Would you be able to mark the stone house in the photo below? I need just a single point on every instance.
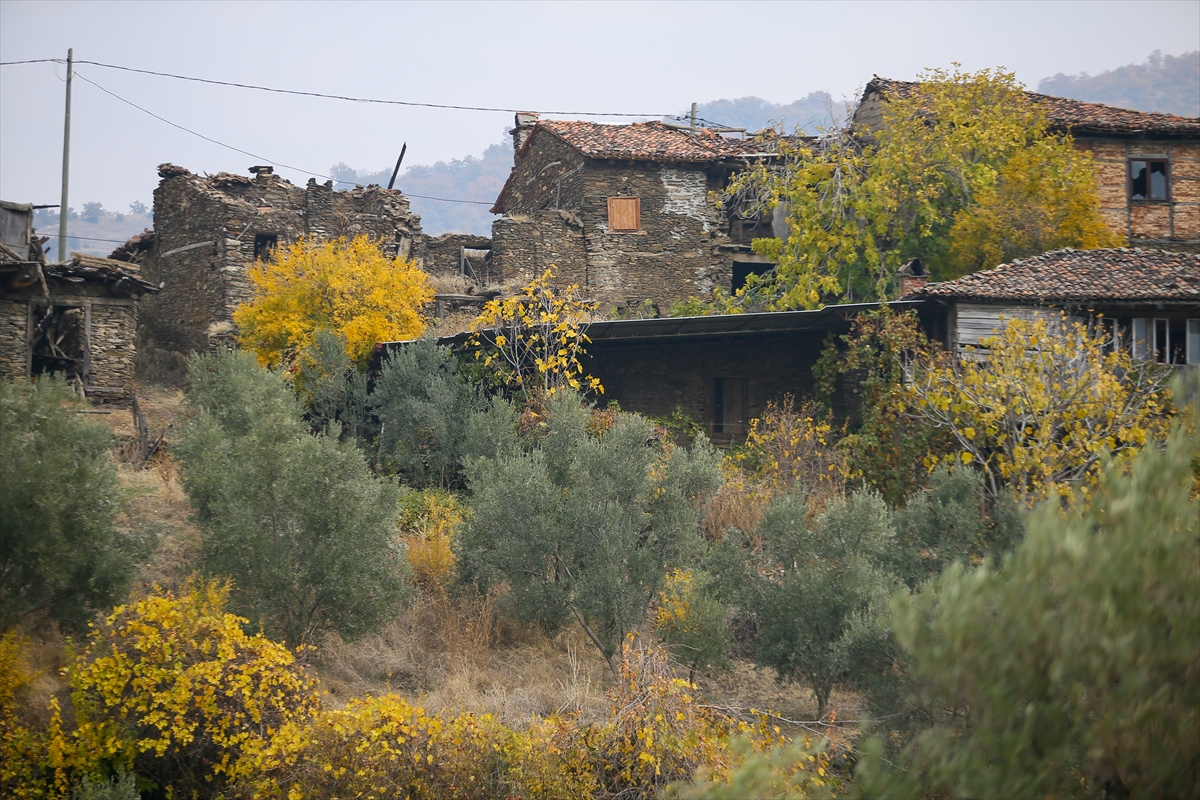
(1147, 164)
(627, 212)
(1146, 300)
(209, 229)
(78, 318)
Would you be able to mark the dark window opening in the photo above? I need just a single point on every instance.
(744, 230)
(1148, 180)
(264, 245)
(744, 269)
(725, 407)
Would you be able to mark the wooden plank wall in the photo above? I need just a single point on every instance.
(973, 322)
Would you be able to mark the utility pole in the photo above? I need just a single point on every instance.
(62, 208)
(693, 112)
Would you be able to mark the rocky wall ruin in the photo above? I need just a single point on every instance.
(210, 229)
(14, 321)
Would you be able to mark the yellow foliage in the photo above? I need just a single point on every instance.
(427, 522)
(1037, 407)
(177, 683)
(386, 747)
(1045, 197)
(534, 339)
(786, 447)
(21, 750)
(347, 287)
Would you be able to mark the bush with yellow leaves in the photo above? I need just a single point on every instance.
(660, 732)
(349, 288)
(21, 749)
(174, 687)
(427, 523)
(789, 447)
(534, 339)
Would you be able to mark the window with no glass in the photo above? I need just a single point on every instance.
(624, 214)
(725, 407)
(1149, 179)
(264, 245)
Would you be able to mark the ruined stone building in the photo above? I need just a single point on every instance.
(77, 318)
(1147, 164)
(209, 229)
(627, 212)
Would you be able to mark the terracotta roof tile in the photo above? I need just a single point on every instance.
(1076, 116)
(646, 141)
(1068, 275)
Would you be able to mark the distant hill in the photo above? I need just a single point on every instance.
(95, 231)
(753, 113)
(1170, 84)
(468, 178)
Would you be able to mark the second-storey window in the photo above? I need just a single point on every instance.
(1149, 179)
(624, 214)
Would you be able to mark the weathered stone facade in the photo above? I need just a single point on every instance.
(557, 207)
(209, 229)
(456, 254)
(78, 318)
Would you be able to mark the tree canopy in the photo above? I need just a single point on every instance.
(347, 287)
(963, 172)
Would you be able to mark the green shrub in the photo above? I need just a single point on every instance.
(61, 555)
(299, 522)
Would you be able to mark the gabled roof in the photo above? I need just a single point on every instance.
(1080, 276)
(1075, 116)
(645, 141)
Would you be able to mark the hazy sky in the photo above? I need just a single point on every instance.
(644, 58)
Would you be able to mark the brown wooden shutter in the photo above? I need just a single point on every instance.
(624, 214)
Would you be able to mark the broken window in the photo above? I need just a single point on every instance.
(1149, 179)
(1170, 341)
(60, 342)
(264, 245)
(725, 407)
(744, 269)
(624, 214)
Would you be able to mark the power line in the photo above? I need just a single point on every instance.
(339, 96)
(254, 155)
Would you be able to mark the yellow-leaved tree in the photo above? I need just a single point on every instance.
(535, 338)
(347, 287)
(963, 172)
(1038, 406)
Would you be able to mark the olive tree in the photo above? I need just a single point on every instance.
(61, 554)
(584, 524)
(298, 520)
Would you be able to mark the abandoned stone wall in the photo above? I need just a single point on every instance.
(13, 331)
(655, 379)
(525, 245)
(1173, 222)
(112, 348)
(209, 229)
(682, 248)
(440, 254)
(548, 176)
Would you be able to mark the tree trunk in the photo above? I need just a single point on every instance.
(599, 646)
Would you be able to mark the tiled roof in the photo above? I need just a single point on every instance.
(645, 141)
(1123, 275)
(1076, 116)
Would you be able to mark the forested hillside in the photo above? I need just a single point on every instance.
(815, 110)
(1170, 84)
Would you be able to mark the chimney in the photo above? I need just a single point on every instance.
(912, 276)
(261, 171)
(522, 127)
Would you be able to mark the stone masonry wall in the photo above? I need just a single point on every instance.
(655, 379)
(13, 320)
(682, 248)
(440, 254)
(524, 246)
(207, 231)
(549, 176)
(1174, 224)
(112, 340)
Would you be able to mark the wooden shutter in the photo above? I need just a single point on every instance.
(624, 214)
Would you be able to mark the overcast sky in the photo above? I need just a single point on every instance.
(641, 58)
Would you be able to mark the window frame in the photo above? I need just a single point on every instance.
(1148, 161)
(637, 202)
